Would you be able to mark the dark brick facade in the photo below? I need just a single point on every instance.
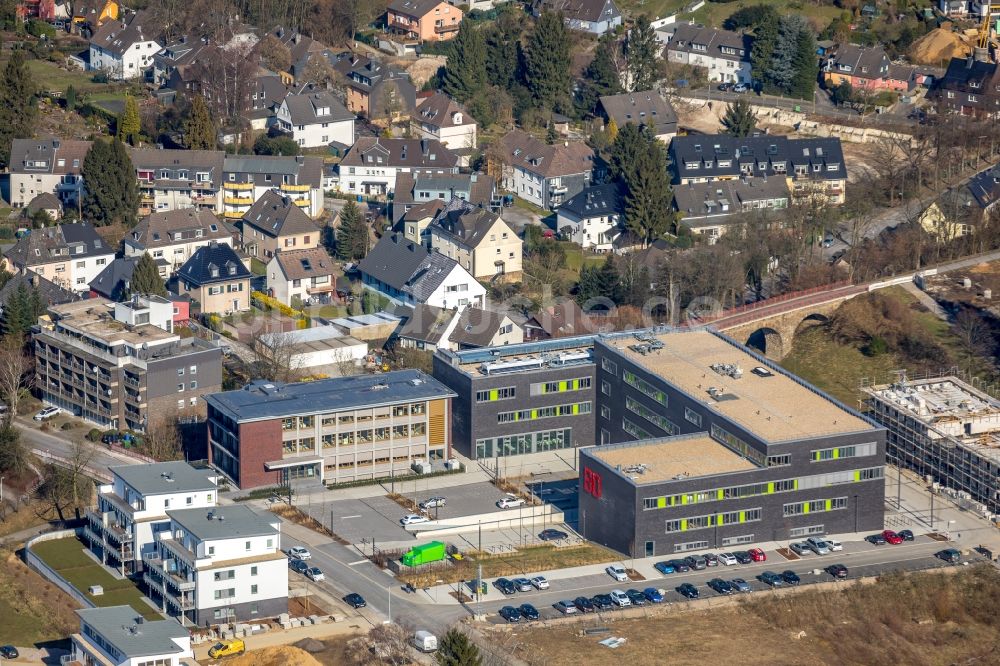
(260, 441)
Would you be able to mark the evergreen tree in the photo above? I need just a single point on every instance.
(199, 130)
(146, 278)
(642, 49)
(739, 120)
(17, 104)
(352, 236)
(127, 127)
(547, 62)
(782, 72)
(112, 194)
(70, 98)
(22, 310)
(762, 51)
(455, 649)
(601, 76)
(843, 93)
(586, 287)
(465, 75)
(806, 66)
(628, 143)
(503, 54)
(639, 161)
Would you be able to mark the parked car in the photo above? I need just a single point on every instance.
(601, 601)
(687, 590)
(740, 585)
(528, 612)
(566, 607)
(433, 502)
(299, 553)
(725, 87)
(511, 614)
(620, 599)
(552, 535)
(315, 574)
(664, 567)
(109, 438)
(905, 535)
(617, 572)
(743, 557)
(721, 586)
(818, 545)
(509, 501)
(505, 585)
(875, 539)
(413, 519)
(740, 88)
(892, 537)
(540, 583)
(227, 648)
(711, 559)
(949, 555)
(771, 578)
(584, 605)
(757, 555)
(523, 584)
(837, 570)
(355, 600)
(790, 577)
(680, 566)
(696, 562)
(46, 413)
(9, 652)
(636, 597)
(834, 545)
(653, 595)
(800, 548)
(298, 566)
(728, 559)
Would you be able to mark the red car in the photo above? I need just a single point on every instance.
(892, 537)
(757, 555)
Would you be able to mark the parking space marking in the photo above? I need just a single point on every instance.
(349, 517)
(351, 564)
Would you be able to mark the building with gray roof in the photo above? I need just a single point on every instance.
(248, 177)
(315, 118)
(70, 255)
(120, 636)
(643, 107)
(723, 54)
(713, 208)
(46, 165)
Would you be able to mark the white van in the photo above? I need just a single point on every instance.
(425, 641)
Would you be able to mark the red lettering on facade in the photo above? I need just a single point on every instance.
(591, 482)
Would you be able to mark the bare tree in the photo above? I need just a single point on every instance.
(274, 357)
(16, 375)
(975, 339)
(346, 365)
(162, 440)
(80, 456)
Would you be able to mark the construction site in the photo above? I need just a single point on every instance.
(945, 430)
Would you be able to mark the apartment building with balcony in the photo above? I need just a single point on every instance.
(119, 375)
(330, 431)
(275, 223)
(46, 165)
(120, 636)
(133, 508)
(218, 565)
(546, 175)
(249, 177)
(176, 179)
(171, 237)
(423, 20)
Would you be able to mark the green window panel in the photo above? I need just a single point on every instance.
(805, 507)
(743, 516)
(720, 493)
(494, 394)
(770, 488)
(661, 502)
(829, 505)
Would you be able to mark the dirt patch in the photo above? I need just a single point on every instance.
(299, 517)
(424, 68)
(305, 606)
(281, 655)
(402, 500)
(937, 46)
(937, 537)
(634, 575)
(788, 554)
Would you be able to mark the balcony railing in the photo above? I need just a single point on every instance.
(441, 29)
(239, 201)
(237, 187)
(289, 187)
(234, 214)
(302, 203)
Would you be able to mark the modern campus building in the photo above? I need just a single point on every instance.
(330, 431)
(705, 444)
(120, 636)
(133, 507)
(945, 430)
(218, 565)
(524, 398)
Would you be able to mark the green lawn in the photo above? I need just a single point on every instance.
(49, 76)
(67, 557)
(576, 258)
(714, 13)
(257, 267)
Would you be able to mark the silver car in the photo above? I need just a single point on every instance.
(800, 548)
(818, 546)
(433, 502)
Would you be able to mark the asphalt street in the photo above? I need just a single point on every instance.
(63, 448)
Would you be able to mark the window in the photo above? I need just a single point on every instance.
(712, 520)
(814, 506)
(779, 461)
(225, 594)
(571, 409)
(806, 531)
(635, 430)
(189, 501)
(166, 504)
(211, 551)
(228, 574)
(737, 445)
(737, 540)
(193, 370)
(253, 589)
(180, 372)
(180, 388)
(605, 388)
(605, 412)
(247, 545)
(270, 543)
(645, 412)
(253, 570)
(637, 382)
(609, 366)
(193, 385)
(692, 416)
(564, 386)
(690, 545)
(180, 404)
(856, 451)
(492, 395)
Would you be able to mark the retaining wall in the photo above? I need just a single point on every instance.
(41, 567)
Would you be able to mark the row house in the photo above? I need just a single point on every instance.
(70, 255)
(866, 68)
(420, 189)
(643, 107)
(430, 328)
(969, 87)
(171, 237)
(133, 507)
(124, 48)
(724, 54)
(275, 223)
(372, 164)
(40, 166)
(594, 16)
(249, 177)
(711, 209)
(423, 20)
(545, 175)
(176, 179)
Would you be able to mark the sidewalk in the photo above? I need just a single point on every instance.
(288, 636)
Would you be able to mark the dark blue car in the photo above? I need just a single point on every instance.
(664, 567)
(653, 595)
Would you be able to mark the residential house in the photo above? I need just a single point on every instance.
(479, 240)
(423, 20)
(545, 175)
(173, 236)
(216, 277)
(593, 218)
(49, 291)
(302, 49)
(47, 203)
(594, 16)
(409, 273)
(70, 255)
(249, 177)
(645, 107)
(124, 48)
(218, 565)
(711, 209)
(91, 362)
(969, 87)
(954, 8)
(433, 328)
(375, 90)
(864, 68)
(960, 210)
(170, 62)
(120, 636)
(724, 54)
(115, 281)
(441, 118)
(562, 320)
(372, 164)
(176, 179)
(267, 94)
(417, 218)
(315, 118)
(418, 189)
(38, 166)
(811, 166)
(89, 15)
(275, 223)
(133, 507)
(302, 276)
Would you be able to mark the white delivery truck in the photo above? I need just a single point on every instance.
(425, 641)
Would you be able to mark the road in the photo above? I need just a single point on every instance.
(46, 443)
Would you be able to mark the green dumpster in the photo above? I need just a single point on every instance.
(432, 551)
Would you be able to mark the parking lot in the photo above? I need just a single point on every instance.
(465, 500)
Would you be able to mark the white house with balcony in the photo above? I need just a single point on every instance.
(120, 636)
(134, 506)
(218, 565)
(124, 49)
(315, 119)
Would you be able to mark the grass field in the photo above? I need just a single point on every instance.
(67, 557)
(714, 13)
(49, 76)
(32, 610)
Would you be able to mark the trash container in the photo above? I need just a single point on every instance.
(798, 108)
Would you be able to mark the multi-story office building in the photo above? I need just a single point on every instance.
(946, 431)
(119, 375)
(133, 507)
(248, 177)
(331, 431)
(218, 565)
(120, 636)
(520, 399)
(731, 450)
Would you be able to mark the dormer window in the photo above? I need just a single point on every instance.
(232, 269)
(214, 271)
